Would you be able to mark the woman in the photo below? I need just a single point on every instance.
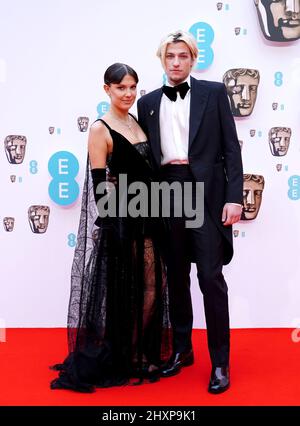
(118, 325)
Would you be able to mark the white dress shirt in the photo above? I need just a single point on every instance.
(174, 120)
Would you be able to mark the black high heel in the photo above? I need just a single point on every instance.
(145, 373)
(153, 375)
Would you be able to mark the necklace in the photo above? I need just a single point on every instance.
(128, 124)
(125, 123)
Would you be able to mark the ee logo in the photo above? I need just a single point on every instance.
(71, 240)
(204, 35)
(33, 167)
(63, 189)
(278, 78)
(102, 108)
(294, 187)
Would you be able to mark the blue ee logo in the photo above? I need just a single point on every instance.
(294, 187)
(204, 35)
(102, 108)
(278, 78)
(63, 166)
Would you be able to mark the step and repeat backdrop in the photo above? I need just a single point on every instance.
(52, 58)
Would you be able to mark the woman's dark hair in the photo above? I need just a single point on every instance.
(116, 72)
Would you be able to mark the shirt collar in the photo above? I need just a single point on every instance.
(188, 80)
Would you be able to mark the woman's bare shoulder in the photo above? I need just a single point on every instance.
(98, 133)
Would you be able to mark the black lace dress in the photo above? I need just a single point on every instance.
(118, 322)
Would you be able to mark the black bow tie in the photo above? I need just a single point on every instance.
(171, 92)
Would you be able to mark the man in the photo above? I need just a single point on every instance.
(193, 139)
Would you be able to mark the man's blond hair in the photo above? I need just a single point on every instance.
(176, 37)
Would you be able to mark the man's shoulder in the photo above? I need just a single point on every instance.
(148, 97)
(211, 85)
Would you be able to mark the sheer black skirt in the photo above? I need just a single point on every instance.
(118, 320)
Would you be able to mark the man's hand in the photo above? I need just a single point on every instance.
(231, 214)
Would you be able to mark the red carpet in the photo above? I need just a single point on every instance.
(265, 370)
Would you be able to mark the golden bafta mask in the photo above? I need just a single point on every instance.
(9, 223)
(279, 140)
(279, 19)
(38, 217)
(15, 146)
(252, 195)
(241, 84)
(83, 123)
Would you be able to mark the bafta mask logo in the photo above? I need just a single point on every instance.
(241, 84)
(51, 130)
(274, 106)
(9, 223)
(15, 148)
(279, 19)
(252, 195)
(252, 133)
(83, 123)
(38, 217)
(279, 140)
(236, 233)
(278, 167)
(142, 92)
(219, 5)
(237, 30)
(13, 178)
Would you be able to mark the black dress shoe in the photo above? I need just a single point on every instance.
(176, 362)
(219, 380)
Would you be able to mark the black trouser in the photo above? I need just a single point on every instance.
(205, 245)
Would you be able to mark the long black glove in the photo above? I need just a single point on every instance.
(98, 176)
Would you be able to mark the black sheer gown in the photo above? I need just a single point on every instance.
(118, 322)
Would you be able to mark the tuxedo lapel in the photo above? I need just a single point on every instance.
(199, 97)
(153, 125)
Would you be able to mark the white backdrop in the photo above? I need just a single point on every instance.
(52, 58)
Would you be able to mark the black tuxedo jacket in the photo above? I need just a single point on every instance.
(214, 150)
